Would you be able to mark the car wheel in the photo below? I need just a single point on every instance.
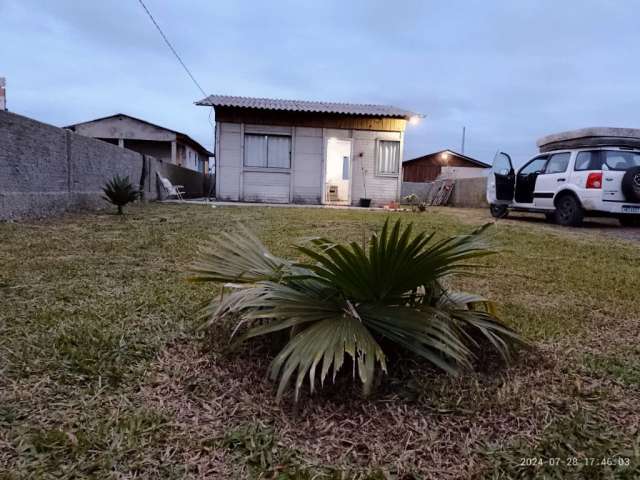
(629, 220)
(498, 211)
(631, 184)
(569, 212)
(551, 217)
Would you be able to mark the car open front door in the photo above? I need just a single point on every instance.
(502, 180)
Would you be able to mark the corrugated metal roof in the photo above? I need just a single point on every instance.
(305, 106)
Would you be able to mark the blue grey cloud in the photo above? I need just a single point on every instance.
(508, 71)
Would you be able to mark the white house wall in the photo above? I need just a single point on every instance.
(381, 189)
(229, 162)
(261, 186)
(307, 163)
(462, 172)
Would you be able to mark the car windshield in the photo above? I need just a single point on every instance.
(620, 160)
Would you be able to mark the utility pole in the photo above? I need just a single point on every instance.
(464, 131)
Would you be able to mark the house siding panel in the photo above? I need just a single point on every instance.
(266, 187)
(274, 129)
(230, 162)
(307, 187)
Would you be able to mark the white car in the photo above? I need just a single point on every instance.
(593, 172)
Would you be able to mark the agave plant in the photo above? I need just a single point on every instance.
(347, 298)
(119, 191)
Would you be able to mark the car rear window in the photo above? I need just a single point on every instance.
(588, 161)
(607, 160)
(621, 160)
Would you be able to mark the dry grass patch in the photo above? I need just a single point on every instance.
(419, 425)
(103, 373)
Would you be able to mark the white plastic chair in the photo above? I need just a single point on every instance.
(171, 189)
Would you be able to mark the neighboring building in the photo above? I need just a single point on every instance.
(287, 151)
(147, 138)
(442, 165)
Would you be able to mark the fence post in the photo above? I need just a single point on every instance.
(143, 175)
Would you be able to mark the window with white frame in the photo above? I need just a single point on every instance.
(267, 151)
(388, 158)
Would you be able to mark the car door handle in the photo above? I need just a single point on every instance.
(561, 180)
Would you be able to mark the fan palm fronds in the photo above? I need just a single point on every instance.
(119, 191)
(347, 298)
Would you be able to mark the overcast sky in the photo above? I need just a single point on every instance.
(509, 71)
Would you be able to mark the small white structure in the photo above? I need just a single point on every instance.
(289, 151)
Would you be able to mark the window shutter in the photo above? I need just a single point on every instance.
(279, 152)
(255, 150)
(388, 157)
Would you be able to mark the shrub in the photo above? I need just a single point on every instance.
(411, 199)
(119, 191)
(349, 298)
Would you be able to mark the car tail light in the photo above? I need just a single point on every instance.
(594, 180)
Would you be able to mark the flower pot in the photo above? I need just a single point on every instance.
(365, 202)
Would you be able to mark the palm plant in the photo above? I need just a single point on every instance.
(119, 191)
(349, 298)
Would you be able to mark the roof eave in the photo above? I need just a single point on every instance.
(402, 114)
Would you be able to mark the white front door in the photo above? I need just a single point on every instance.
(337, 175)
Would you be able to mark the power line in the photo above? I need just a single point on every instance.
(166, 40)
(186, 69)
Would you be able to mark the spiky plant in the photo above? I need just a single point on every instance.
(348, 298)
(119, 191)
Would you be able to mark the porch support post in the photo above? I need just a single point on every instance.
(174, 152)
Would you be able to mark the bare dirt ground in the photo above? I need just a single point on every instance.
(606, 227)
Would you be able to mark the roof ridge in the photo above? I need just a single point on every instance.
(316, 106)
(300, 100)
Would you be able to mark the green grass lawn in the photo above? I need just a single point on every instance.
(104, 373)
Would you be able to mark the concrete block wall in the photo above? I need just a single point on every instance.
(194, 183)
(467, 192)
(45, 170)
(470, 192)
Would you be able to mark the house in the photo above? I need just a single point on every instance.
(289, 151)
(443, 164)
(147, 138)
